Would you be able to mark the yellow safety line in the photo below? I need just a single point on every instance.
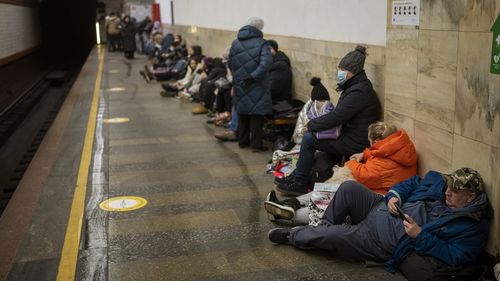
(69, 255)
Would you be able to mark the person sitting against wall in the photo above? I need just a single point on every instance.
(430, 228)
(171, 89)
(357, 108)
(280, 74)
(206, 94)
(390, 159)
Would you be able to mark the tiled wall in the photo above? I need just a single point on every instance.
(433, 81)
(439, 88)
(19, 29)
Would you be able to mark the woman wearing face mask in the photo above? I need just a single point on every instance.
(357, 108)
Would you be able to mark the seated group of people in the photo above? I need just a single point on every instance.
(430, 228)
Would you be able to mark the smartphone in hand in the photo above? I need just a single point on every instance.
(401, 214)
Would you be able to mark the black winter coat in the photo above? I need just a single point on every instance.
(250, 59)
(128, 34)
(357, 108)
(280, 75)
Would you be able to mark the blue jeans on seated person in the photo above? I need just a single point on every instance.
(234, 120)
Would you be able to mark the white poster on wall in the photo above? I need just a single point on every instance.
(165, 11)
(406, 12)
(140, 12)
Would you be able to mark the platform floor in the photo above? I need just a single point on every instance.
(204, 219)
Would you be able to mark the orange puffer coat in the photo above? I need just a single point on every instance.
(386, 163)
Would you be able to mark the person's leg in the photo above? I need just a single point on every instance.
(234, 120)
(351, 199)
(306, 160)
(243, 130)
(416, 267)
(256, 133)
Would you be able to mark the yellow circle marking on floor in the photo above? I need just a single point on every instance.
(114, 71)
(123, 203)
(116, 89)
(116, 120)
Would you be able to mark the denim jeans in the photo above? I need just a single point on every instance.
(234, 120)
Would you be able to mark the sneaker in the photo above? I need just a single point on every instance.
(185, 97)
(226, 136)
(210, 120)
(279, 235)
(145, 75)
(292, 188)
(199, 109)
(168, 94)
(279, 211)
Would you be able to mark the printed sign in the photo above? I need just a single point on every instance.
(495, 49)
(406, 12)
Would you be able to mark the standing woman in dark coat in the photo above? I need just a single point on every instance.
(249, 61)
(128, 35)
(357, 108)
(280, 74)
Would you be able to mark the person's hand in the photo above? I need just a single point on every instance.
(357, 156)
(411, 227)
(247, 82)
(390, 205)
(304, 128)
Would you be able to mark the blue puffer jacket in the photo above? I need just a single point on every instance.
(250, 57)
(456, 238)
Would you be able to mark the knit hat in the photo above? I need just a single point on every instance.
(256, 22)
(354, 61)
(318, 92)
(465, 178)
(273, 44)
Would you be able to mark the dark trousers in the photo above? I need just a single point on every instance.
(310, 144)
(422, 268)
(223, 101)
(250, 130)
(355, 240)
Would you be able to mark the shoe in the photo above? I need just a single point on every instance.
(199, 109)
(168, 87)
(211, 120)
(292, 188)
(168, 94)
(185, 97)
(279, 235)
(271, 196)
(144, 75)
(279, 211)
(226, 136)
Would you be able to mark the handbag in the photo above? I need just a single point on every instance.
(222, 83)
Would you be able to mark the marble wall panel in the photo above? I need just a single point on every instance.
(434, 148)
(479, 15)
(401, 71)
(401, 121)
(486, 160)
(477, 105)
(436, 78)
(441, 14)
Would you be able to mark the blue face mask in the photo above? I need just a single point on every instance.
(341, 76)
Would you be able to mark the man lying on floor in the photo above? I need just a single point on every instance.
(444, 227)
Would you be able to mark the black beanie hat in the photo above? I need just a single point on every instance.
(273, 44)
(318, 92)
(354, 61)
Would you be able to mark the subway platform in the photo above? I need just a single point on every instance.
(199, 213)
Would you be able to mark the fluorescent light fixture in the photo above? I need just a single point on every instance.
(97, 33)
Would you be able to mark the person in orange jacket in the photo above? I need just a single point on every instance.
(390, 159)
